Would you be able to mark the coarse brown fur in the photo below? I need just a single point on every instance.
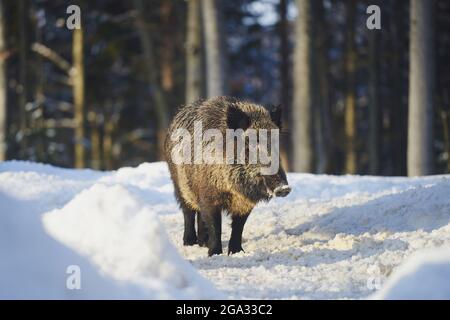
(208, 189)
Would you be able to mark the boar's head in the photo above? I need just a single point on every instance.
(253, 179)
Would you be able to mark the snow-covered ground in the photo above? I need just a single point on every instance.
(332, 237)
(423, 276)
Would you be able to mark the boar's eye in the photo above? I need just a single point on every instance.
(275, 115)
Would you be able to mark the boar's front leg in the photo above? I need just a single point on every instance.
(237, 227)
(212, 218)
(189, 237)
(202, 231)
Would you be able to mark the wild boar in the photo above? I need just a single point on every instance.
(206, 188)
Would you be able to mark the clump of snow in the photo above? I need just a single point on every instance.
(426, 275)
(103, 223)
(333, 237)
(124, 238)
(34, 266)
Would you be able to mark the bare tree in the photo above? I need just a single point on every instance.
(108, 143)
(75, 79)
(350, 95)
(23, 57)
(78, 95)
(374, 108)
(214, 51)
(421, 78)
(285, 96)
(3, 84)
(395, 130)
(283, 32)
(95, 125)
(167, 46)
(160, 103)
(446, 135)
(303, 96)
(193, 52)
(322, 112)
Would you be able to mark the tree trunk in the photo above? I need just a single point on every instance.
(95, 140)
(284, 63)
(397, 131)
(23, 58)
(303, 96)
(39, 141)
(322, 103)
(215, 71)
(108, 143)
(160, 103)
(374, 107)
(193, 53)
(168, 46)
(421, 77)
(3, 84)
(350, 96)
(446, 135)
(78, 95)
(285, 97)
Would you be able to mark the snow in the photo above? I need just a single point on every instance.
(424, 276)
(333, 237)
(52, 219)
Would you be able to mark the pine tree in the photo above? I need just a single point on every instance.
(302, 108)
(421, 78)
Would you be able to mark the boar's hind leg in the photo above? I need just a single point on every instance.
(213, 220)
(189, 237)
(237, 226)
(202, 232)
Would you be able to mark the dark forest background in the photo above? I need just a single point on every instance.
(102, 96)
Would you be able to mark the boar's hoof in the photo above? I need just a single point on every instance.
(202, 239)
(215, 250)
(235, 249)
(202, 243)
(190, 241)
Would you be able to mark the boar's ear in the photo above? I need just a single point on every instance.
(275, 115)
(237, 119)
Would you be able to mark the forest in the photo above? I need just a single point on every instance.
(355, 99)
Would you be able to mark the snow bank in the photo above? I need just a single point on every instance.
(124, 238)
(421, 207)
(104, 223)
(34, 266)
(426, 275)
(333, 237)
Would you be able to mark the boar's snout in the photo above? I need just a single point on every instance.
(282, 191)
